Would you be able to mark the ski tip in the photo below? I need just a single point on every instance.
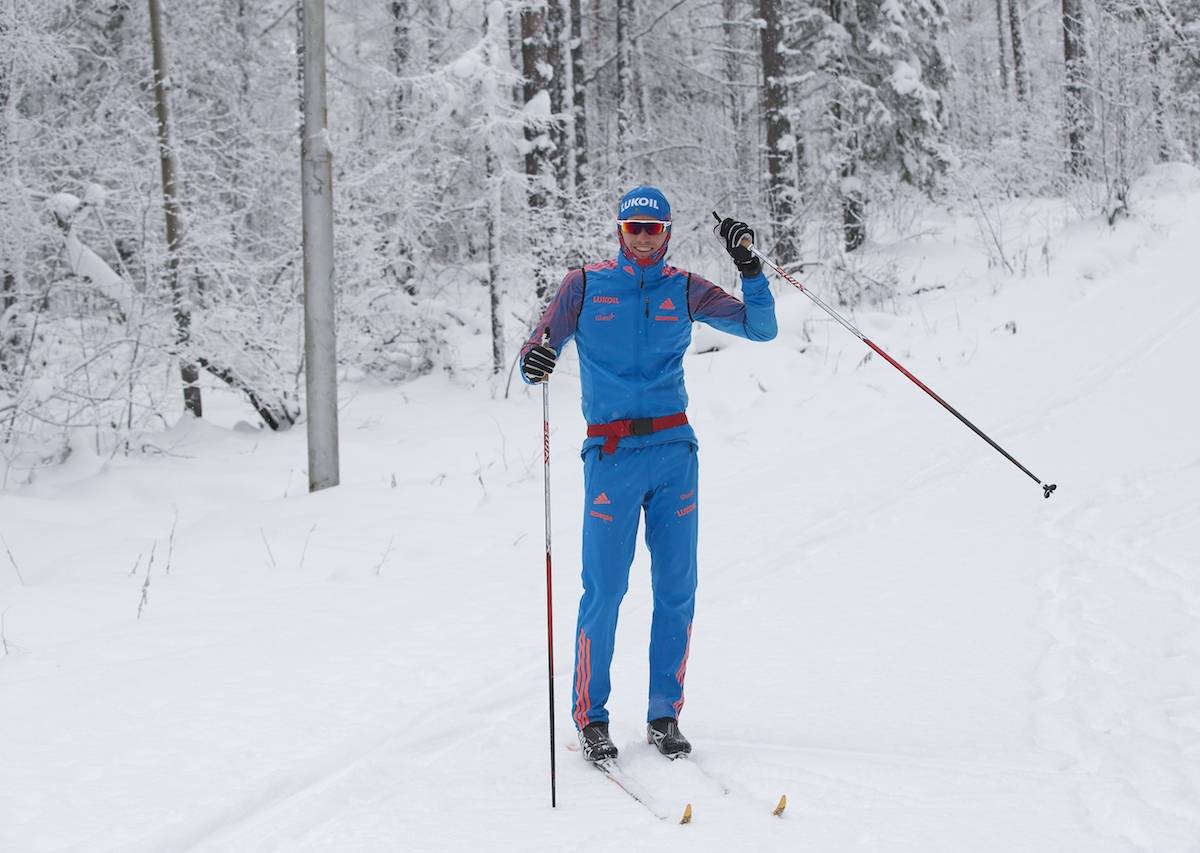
(781, 806)
(687, 814)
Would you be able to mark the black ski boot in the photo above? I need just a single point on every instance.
(595, 743)
(665, 735)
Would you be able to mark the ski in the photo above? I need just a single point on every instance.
(637, 791)
(726, 788)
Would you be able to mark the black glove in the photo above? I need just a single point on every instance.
(733, 232)
(538, 363)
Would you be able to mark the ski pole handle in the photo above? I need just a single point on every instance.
(746, 241)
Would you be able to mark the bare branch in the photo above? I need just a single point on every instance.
(12, 560)
(263, 533)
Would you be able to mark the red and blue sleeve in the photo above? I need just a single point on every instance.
(751, 317)
(561, 316)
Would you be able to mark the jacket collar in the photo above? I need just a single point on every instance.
(652, 270)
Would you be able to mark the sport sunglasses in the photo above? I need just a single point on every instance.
(642, 226)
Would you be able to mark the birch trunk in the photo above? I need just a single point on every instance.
(316, 194)
(173, 213)
(492, 23)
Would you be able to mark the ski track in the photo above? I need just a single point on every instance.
(1104, 714)
(1112, 761)
(1119, 694)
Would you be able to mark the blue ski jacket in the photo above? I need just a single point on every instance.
(632, 324)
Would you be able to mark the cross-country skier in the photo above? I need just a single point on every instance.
(631, 318)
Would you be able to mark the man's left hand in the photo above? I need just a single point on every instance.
(733, 232)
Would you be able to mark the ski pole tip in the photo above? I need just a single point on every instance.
(1049, 488)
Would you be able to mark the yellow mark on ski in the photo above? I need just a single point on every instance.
(782, 805)
(687, 814)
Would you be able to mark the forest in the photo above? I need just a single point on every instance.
(478, 150)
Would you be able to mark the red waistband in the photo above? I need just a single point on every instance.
(617, 430)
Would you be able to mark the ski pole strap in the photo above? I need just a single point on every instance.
(616, 430)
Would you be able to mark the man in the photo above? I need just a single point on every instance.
(631, 319)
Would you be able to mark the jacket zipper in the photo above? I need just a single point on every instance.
(642, 328)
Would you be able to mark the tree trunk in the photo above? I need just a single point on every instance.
(854, 224)
(535, 67)
(401, 48)
(535, 44)
(781, 145)
(845, 131)
(316, 196)
(300, 59)
(1076, 116)
(640, 96)
(1158, 99)
(494, 189)
(8, 261)
(396, 248)
(557, 60)
(516, 45)
(735, 102)
(1016, 20)
(240, 147)
(276, 413)
(579, 100)
(173, 213)
(626, 108)
(1002, 43)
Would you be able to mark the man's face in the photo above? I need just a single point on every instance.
(643, 245)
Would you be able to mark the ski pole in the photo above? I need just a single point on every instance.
(549, 586)
(1047, 488)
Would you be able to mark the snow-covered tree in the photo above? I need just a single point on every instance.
(887, 72)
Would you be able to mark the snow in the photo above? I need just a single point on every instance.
(906, 78)
(893, 626)
(63, 205)
(41, 388)
(80, 258)
(538, 106)
(468, 66)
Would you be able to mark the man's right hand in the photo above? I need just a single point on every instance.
(538, 363)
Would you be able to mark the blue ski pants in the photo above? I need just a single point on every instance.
(660, 480)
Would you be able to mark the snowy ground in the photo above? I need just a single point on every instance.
(894, 628)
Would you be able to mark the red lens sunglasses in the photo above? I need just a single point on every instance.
(642, 226)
